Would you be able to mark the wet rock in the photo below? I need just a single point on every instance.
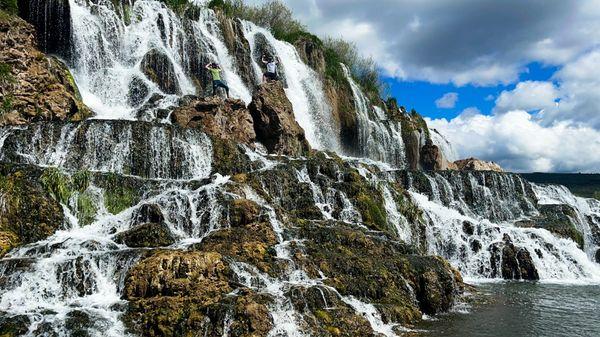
(515, 263)
(474, 164)
(149, 213)
(475, 246)
(468, 228)
(432, 158)
(13, 326)
(557, 219)
(225, 119)
(19, 222)
(243, 212)
(311, 52)
(238, 46)
(52, 21)
(381, 271)
(78, 322)
(274, 122)
(597, 255)
(159, 69)
(33, 87)
(138, 91)
(147, 235)
(172, 293)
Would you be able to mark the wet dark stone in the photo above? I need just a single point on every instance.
(77, 323)
(475, 246)
(161, 71)
(597, 256)
(149, 213)
(52, 21)
(138, 90)
(468, 228)
(147, 235)
(13, 325)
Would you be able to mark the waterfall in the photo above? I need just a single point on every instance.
(114, 44)
(467, 221)
(444, 145)
(587, 211)
(378, 137)
(303, 87)
(129, 148)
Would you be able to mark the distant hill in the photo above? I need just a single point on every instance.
(584, 185)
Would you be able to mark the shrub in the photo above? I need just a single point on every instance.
(9, 6)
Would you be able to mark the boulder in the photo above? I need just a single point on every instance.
(474, 164)
(224, 119)
(597, 255)
(159, 69)
(274, 122)
(33, 87)
(148, 213)
(515, 263)
(149, 235)
(432, 157)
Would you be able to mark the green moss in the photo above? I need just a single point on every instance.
(7, 104)
(373, 213)
(57, 184)
(86, 209)
(117, 196)
(81, 180)
(323, 316)
(9, 6)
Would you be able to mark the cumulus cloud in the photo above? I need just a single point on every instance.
(529, 96)
(481, 42)
(520, 143)
(448, 101)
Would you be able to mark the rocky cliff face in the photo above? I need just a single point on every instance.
(33, 86)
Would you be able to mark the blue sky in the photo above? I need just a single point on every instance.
(527, 71)
(421, 95)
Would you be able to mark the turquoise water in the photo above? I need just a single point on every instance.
(525, 309)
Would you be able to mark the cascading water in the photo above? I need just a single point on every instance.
(304, 88)
(468, 222)
(379, 138)
(121, 48)
(444, 145)
(129, 148)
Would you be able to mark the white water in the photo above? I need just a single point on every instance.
(448, 150)
(587, 210)
(109, 52)
(556, 259)
(304, 89)
(124, 148)
(379, 138)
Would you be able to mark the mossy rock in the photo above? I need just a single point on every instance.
(29, 211)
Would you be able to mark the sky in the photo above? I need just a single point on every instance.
(513, 81)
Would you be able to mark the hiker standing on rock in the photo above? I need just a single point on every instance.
(271, 74)
(215, 72)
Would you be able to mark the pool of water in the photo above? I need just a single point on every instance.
(524, 309)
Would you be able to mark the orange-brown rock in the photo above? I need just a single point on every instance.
(274, 122)
(474, 164)
(33, 87)
(225, 119)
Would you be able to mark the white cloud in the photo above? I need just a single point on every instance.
(520, 143)
(529, 96)
(448, 101)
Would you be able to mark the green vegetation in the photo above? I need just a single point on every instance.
(6, 73)
(117, 196)
(9, 6)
